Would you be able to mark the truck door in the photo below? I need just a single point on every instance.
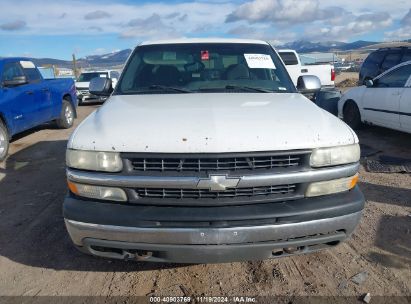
(381, 102)
(405, 108)
(19, 100)
(41, 93)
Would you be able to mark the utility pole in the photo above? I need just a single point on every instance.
(75, 66)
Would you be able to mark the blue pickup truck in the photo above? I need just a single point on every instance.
(27, 100)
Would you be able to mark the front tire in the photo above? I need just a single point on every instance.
(4, 141)
(66, 119)
(352, 115)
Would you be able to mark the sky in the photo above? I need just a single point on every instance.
(57, 29)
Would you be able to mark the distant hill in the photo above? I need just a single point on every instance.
(110, 59)
(388, 44)
(356, 45)
(102, 61)
(51, 61)
(117, 59)
(304, 46)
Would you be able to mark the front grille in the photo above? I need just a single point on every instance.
(198, 164)
(207, 194)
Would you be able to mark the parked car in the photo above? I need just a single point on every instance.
(27, 100)
(381, 60)
(206, 152)
(83, 82)
(343, 66)
(384, 101)
(291, 59)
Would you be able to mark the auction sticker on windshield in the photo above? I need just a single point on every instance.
(259, 61)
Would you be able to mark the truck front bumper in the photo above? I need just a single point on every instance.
(294, 227)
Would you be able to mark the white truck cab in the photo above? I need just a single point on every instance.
(292, 61)
(83, 82)
(206, 152)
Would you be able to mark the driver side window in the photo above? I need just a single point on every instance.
(11, 70)
(395, 79)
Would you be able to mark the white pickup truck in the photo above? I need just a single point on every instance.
(291, 59)
(83, 82)
(206, 152)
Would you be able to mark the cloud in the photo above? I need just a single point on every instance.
(172, 15)
(13, 25)
(152, 21)
(262, 32)
(183, 18)
(399, 34)
(278, 11)
(325, 22)
(99, 51)
(402, 33)
(359, 25)
(406, 21)
(95, 28)
(97, 15)
(152, 27)
(273, 20)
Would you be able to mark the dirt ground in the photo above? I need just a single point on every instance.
(346, 80)
(37, 258)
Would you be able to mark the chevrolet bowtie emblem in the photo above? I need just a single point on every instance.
(218, 182)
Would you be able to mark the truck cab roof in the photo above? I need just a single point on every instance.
(204, 40)
(9, 59)
(6, 60)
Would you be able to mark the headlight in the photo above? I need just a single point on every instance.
(98, 192)
(95, 161)
(332, 186)
(333, 156)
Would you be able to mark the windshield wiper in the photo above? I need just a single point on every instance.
(167, 88)
(248, 89)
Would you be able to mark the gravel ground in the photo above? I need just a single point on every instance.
(37, 258)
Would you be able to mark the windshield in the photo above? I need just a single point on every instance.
(204, 67)
(86, 77)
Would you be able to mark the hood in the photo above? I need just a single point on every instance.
(82, 84)
(209, 123)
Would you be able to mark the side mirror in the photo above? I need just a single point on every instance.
(16, 81)
(308, 84)
(369, 83)
(101, 86)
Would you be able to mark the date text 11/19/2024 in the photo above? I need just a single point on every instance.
(203, 299)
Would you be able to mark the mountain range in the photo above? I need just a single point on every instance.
(117, 59)
(303, 46)
(113, 59)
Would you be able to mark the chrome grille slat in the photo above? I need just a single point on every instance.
(175, 164)
(203, 193)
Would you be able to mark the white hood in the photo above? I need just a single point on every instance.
(209, 123)
(82, 84)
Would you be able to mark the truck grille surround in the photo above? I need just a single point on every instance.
(202, 166)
